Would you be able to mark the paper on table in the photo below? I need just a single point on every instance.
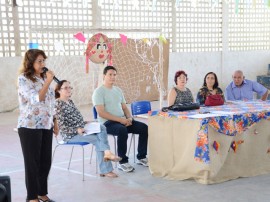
(201, 116)
(222, 112)
(93, 127)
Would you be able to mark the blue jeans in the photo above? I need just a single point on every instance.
(100, 140)
(117, 129)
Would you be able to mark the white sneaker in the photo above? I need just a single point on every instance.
(143, 162)
(126, 167)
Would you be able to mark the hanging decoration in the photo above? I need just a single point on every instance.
(216, 145)
(234, 146)
(123, 39)
(98, 50)
(59, 46)
(177, 4)
(80, 37)
(146, 41)
(236, 6)
(154, 5)
(163, 39)
(240, 142)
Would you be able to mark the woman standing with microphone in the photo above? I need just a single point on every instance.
(36, 123)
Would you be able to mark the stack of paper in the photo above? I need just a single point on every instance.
(93, 127)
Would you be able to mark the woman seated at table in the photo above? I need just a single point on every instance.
(180, 93)
(210, 87)
(71, 125)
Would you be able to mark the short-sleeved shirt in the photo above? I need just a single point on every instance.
(34, 114)
(183, 96)
(245, 91)
(112, 100)
(204, 92)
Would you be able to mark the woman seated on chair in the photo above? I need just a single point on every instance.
(71, 125)
(210, 87)
(180, 93)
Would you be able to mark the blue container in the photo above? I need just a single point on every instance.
(33, 45)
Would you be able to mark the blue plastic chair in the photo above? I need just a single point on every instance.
(138, 108)
(74, 144)
(114, 137)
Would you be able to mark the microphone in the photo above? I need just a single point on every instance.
(45, 69)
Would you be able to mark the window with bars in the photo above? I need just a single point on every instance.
(144, 16)
(198, 28)
(249, 26)
(54, 22)
(189, 27)
(45, 22)
(7, 44)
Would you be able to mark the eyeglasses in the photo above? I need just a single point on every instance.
(40, 61)
(67, 87)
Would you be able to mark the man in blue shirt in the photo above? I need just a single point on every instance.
(242, 89)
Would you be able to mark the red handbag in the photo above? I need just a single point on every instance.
(214, 100)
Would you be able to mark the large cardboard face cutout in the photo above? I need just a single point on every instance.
(99, 52)
(98, 48)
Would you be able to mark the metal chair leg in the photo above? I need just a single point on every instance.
(83, 162)
(70, 157)
(91, 154)
(132, 139)
(96, 165)
(54, 152)
(134, 149)
(115, 148)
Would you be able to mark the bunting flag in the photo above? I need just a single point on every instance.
(234, 146)
(216, 145)
(59, 46)
(177, 4)
(80, 37)
(147, 41)
(123, 39)
(163, 39)
(236, 6)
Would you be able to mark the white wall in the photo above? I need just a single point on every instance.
(196, 65)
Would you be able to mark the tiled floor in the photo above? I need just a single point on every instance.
(67, 186)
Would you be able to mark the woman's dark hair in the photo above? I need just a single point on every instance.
(108, 68)
(177, 74)
(28, 63)
(216, 80)
(58, 87)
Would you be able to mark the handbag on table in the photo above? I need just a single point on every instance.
(214, 100)
(182, 107)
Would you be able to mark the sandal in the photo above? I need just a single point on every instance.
(45, 200)
(112, 157)
(110, 174)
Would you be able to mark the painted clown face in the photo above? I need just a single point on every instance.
(98, 48)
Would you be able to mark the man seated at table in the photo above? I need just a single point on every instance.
(242, 89)
(114, 114)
